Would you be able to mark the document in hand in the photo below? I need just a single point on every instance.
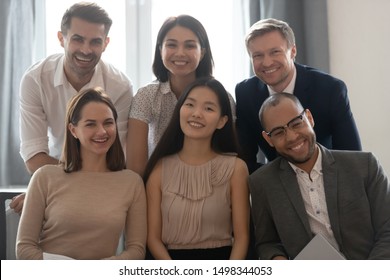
(49, 256)
(319, 248)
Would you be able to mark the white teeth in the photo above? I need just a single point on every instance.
(297, 147)
(83, 59)
(270, 71)
(195, 124)
(180, 63)
(100, 140)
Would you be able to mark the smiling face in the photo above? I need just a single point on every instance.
(96, 130)
(272, 60)
(200, 114)
(298, 145)
(181, 52)
(83, 44)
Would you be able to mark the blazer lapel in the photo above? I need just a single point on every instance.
(329, 171)
(302, 85)
(291, 187)
(261, 94)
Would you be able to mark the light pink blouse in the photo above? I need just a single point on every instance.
(196, 204)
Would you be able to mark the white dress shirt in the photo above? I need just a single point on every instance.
(290, 87)
(44, 94)
(313, 194)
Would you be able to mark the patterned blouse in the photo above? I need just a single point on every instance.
(154, 105)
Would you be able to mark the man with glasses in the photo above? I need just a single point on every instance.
(310, 190)
(271, 46)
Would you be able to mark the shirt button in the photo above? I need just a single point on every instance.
(318, 212)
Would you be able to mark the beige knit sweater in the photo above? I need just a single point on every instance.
(82, 215)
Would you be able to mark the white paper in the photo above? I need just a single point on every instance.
(49, 256)
(319, 248)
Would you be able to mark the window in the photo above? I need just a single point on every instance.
(136, 24)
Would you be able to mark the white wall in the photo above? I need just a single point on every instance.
(359, 32)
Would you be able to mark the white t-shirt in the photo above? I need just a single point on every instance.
(44, 94)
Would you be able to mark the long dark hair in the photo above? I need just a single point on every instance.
(71, 156)
(205, 67)
(224, 140)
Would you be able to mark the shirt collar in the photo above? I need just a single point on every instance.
(60, 77)
(165, 87)
(290, 87)
(59, 74)
(317, 168)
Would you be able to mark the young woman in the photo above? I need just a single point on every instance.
(80, 208)
(182, 54)
(196, 185)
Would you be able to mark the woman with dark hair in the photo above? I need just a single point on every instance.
(79, 208)
(182, 54)
(196, 185)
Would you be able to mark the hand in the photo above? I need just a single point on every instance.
(17, 203)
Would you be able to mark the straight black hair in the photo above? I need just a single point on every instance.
(224, 140)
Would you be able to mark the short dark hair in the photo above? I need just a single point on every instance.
(205, 67)
(273, 100)
(90, 12)
(71, 156)
(224, 140)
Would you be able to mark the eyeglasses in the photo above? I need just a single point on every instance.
(295, 124)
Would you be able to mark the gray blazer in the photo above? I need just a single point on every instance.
(358, 199)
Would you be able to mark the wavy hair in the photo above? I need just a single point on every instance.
(265, 26)
(90, 12)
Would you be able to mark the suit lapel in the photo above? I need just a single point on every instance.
(302, 85)
(291, 187)
(261, 95)
(329, 171)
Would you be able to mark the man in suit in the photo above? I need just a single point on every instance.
(309, 190)
(271, 47)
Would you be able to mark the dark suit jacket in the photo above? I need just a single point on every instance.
(326, 98)
(358, 199)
